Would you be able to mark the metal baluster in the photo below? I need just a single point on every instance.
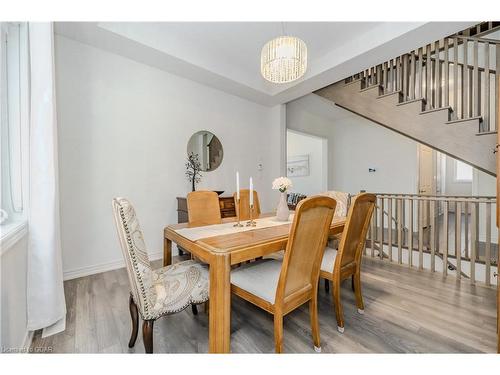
(445, 232)
(487, 252)
(476, 104)
(458, 238)
(420, 74)
(437, 83)
(386, 88)
(465, 82)
(398, 74)
(446, 74)
(404, 76)
(433, 234)
(389, 227)
(420, 215)
(428, 75)
(410, 240)
(412, 75)
(400, 229)
(473, 243)
(381, 228)
(455, 79)
(486, 94)
(466, 229)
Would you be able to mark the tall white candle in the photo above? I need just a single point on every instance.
(237, 185)
(251, 191)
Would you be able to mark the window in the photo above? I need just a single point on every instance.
(463, 172)
(14, 109)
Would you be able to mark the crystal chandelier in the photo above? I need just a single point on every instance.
(283, 59)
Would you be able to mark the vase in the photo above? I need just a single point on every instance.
(282, 212)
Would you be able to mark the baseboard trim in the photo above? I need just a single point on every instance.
(99, 268)
(28, 339)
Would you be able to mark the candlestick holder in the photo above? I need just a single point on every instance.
(251, 222)
(238, 224)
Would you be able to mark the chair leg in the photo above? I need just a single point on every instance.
(356, 278)
(278, 333)
(327, 285)
(338, 306)
(194, 309)
(313, 311)
(135, 321)
(147, 335)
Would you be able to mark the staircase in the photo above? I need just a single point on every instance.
(444, 95)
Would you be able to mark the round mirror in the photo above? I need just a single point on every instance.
(207, 147)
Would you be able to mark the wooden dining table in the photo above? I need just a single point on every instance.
(220, 253)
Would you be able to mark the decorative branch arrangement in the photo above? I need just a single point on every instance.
(193, 169)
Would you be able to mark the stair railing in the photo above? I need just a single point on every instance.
(456, 230)
(460, 73)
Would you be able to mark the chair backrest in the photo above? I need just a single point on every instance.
(343, 201)
(134, 252)
(244, 208)
(307, 240)
(354, 235)
(203, 208)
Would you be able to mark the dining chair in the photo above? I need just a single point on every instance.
(338, 265)
(203, 208)
(159, 292)
(244, 207)
(281, 287)
(343, 201)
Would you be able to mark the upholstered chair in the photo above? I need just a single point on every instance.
(338, 265)
(244, 207)
(281, 287)
(159, 292)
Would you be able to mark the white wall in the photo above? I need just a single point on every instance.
(354, 145)
(299, 144)
(123, 131)
(453, 187)
(13, 264)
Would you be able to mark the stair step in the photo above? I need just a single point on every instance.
(389, 94)
(412, 101)
(435, 110)
(353, 82)
(464, 119)
(370, 88)
(487, 133)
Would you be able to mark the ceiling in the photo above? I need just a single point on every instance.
(226, 55)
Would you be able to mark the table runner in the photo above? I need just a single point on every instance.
(195, 233)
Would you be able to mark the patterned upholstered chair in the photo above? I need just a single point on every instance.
(338, 265)
(154, 293)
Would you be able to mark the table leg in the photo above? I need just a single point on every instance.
(167, 252)
(220, 304)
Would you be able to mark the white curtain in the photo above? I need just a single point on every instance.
(46, 303)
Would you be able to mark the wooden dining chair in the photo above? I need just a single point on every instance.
(203, 208)
(346, 262)
(281, 287)
(244, 209)
(343, 202)
(154, 293)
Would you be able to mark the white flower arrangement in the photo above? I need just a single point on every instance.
(282, 184)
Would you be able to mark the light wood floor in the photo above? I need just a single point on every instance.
(406, 310)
